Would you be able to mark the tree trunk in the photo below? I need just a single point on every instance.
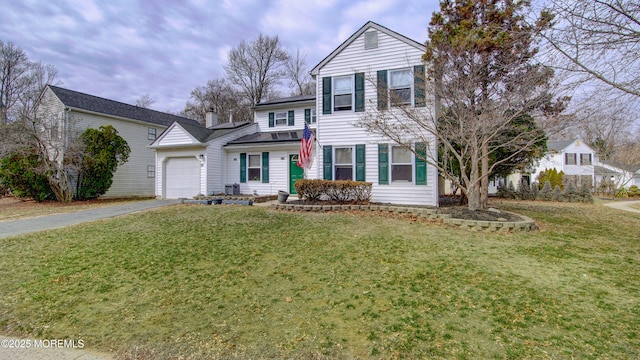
(484, 171)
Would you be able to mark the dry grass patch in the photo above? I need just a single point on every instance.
(13, 209)
(242, 282)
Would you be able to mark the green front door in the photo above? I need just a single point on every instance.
(295, 172)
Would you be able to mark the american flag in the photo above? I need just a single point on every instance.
(306, 147)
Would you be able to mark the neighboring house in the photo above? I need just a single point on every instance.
(619, 176)
(261, 157)
(66, 114)
(573, 157)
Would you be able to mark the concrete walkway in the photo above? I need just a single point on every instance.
(30, 225)
(624, 205)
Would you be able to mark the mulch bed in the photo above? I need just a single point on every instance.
(448, 205)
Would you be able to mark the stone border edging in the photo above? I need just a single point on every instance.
(474, 225)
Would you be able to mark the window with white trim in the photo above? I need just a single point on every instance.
(313, 116)
(151, 171)
(343, 165)
(281, 118)
(401, 164)
(151, 134)
(585, 159)
(570, 159)
(253, 167)
(343, 93)
(400, 82)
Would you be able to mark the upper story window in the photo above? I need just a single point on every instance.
(570, 159)
(342, 93)
(400, 86)
(281, 118)
(151, 134)
(585, 159)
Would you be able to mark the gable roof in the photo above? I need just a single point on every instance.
(352, 38)
(202, 134)
(82, 101)
(559, 145)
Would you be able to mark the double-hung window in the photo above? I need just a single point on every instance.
(401, 164)
(281, 118)
(343, 163)
(400, 86)
(570, 159)
(343, 93)
(253, 168)
(585, 159)
(151, 134)
(313, 116)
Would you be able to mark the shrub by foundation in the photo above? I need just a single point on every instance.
(339, 191)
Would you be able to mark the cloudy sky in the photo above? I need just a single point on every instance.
(124, 49)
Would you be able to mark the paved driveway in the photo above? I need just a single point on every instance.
(623, 205)
(25, 226)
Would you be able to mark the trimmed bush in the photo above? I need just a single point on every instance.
(546, 194)
(633, 191)
(585, 194)
(570, 192)
(339, 191)
(551, 175)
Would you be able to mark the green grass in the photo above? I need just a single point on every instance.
(247, 282)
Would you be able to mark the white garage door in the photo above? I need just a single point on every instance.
(182, 177)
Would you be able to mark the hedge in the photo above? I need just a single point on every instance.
(340, 191)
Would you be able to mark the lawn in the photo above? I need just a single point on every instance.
(248, 282)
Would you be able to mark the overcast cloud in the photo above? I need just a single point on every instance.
(124, 49)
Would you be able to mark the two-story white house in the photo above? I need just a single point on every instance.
(261, 156)
(573, 157)
(65, 114)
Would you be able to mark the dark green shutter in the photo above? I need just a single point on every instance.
(327, 163)
(383, 164)
(272, 121)
(265, 167)
(291, 118)
(243, 167)
(419, 89)
(383, 93)
(421, 164)
(359, 92)
(326, 95)
(360, 162)
(307, 116)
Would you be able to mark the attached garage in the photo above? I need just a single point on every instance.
(182, 177)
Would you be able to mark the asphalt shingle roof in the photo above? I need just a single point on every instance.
(203, 134)
(78, 100)
(559, 145)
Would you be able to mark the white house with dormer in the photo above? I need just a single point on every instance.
(261, 156)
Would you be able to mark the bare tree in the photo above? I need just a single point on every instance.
(485, 80)
(598, 39)
(606, 125)
(220, 97)
(21, 82)
(14, 66)
(297, 72)
(257, 66)
(145, 101)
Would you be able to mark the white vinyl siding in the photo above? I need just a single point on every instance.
(337, 129)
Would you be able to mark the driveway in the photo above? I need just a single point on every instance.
(624, 205)
(25, 226)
